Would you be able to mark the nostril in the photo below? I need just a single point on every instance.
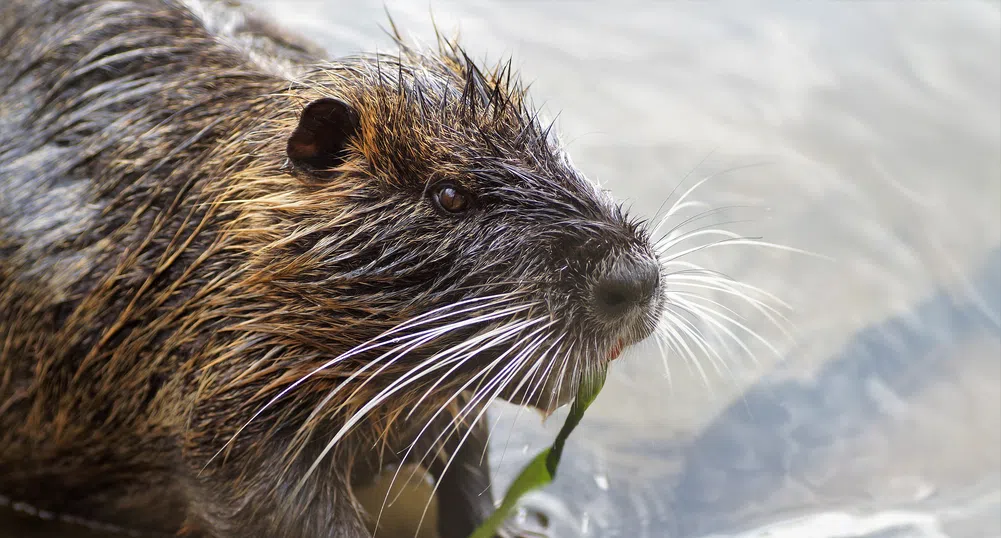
(615, 294)
(630, 284)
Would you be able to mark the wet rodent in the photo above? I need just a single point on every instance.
(230, 290)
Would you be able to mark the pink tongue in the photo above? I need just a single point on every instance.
(616, 351)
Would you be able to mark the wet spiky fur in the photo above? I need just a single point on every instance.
(177, 306)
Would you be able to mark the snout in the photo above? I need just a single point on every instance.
(624, 303)
(627, 287)
(626, 296)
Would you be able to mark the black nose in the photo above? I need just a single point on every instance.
(630, 284)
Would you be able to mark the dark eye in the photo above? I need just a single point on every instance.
(450, 198)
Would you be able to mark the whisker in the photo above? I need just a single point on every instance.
(506, 373)
(502, 356)
(745, 328)
(735, 240)
(509, 370)
(713, 321)
(658, 339)
(560, 381)
(391, 389)
(530, 395)
(682, 182)
(677, 204)
(402, 350)
(698, 337)
(370, 344)
(438, 440)
(730, 287)
(686, 354)
(679, 208)
(664, 246)
(669, 235)
(479, 417)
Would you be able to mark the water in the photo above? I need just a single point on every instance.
(875, 131)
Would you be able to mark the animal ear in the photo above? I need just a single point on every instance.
(319, 142)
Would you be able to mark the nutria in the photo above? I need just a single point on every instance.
(229, 291)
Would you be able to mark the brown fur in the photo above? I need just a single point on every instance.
(166, 272)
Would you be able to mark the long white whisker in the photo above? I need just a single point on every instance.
(658, 339)
(723, 286)
(428, 422)
(698, 271)
(733, 239)
(370, 344)
(678, 209)
(517, 415)
(391, 389)
(530, 395)
(715, 313)
(677, 206)
(688, 354)
(671, 237)
(695, 307)
(479, 417)
(465, 386)
(516, 327)
(666, 245)
(678, 186)
(700, 340)
(409, 346)
(527, 378)
(511, 367)
(506, 373)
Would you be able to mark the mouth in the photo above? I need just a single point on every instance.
(616, 350)
(552, 385)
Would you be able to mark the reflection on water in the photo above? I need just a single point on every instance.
(878, 130)
(832, 433)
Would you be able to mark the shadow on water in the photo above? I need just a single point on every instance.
(782, 431)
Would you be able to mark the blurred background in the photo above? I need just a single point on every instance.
(866, 132)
